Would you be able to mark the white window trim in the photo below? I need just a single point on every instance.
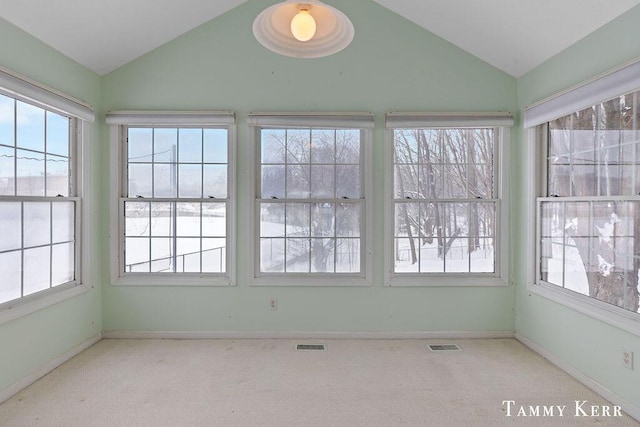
(85, 254)
(502, 123)
(117, 120)
(23, 87)
(363, 121)
(535, 172)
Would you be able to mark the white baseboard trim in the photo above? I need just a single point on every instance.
(18, 386)
(628, 407)
(307, 334)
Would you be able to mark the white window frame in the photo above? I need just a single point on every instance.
(81, 114)
(362, 121)
(613, 83)
(501, 123)
(119, 122)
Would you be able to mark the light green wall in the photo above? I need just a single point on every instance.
(589, 345)
(28, 343)
(391, 65)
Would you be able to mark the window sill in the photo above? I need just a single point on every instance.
(607, 313)
(448, 281)
(15, 309)
(171, 279)
(313, 281)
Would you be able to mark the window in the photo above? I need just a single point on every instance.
(584, 164)
(445, 197)
(40, 193)
(175, 205)
(589, 217)
(310, 197)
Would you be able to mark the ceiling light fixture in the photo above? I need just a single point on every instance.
(303, 30)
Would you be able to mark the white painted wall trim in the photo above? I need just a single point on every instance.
(20, 385)
(381, 335)
(628, 407)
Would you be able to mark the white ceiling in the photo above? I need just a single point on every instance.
(512, 35)
(103, 35)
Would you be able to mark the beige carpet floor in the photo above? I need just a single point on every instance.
(269, 383)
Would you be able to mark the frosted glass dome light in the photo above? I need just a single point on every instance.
(286, 28)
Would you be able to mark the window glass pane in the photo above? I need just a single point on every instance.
(137, 254)
(57, 176)
(430, 254)
(190, 146)
(323, 146)
(348, 146)
(405, 253)
(483, 256)
(322, 220)
(322, 255)
(456, 255)
(7, 121)
(405, 144)
(140, 179)
(30, 131)
(37, 269)
(63, 216)
(57, 134)
(7, 171)
(190, 179)
(274, 143)
(165, 180)
(36, 223)
(273, 182)
(455, 186)
(298, 219)
(140, 145)
(406, 182)
(348, 220)
(272, 219)
(30, 168)
(347, 255)
(272, 255)
(298, 145)
(298, 181)
(214, 256)
(348, 181)
(188, 255)
(188, 219)
(215, 181)
(62, 263)
(165, 144)
(322, 185)
(10, 226)
(298, 255)
(552, 243)
(162, 255)
(10, 263)
(136, 219)
(162, 219)
(215, 145)
(214, 222)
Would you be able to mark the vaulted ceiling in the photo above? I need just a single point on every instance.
(512, 35)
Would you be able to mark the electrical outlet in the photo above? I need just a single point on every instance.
(627, 358)
(273, 304)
